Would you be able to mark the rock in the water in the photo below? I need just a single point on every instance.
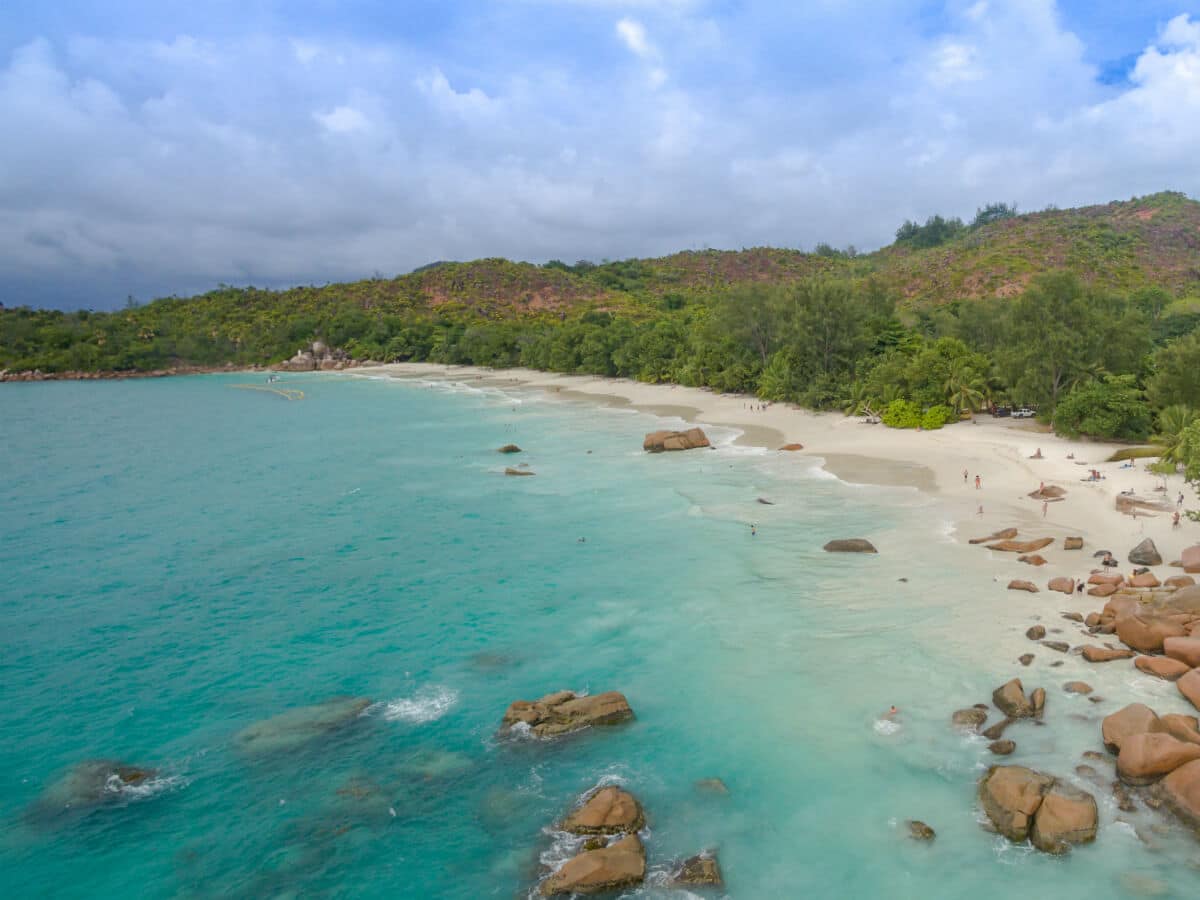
(1072, 543)
(1003, 535)
(1018, 585)
(1022, 546)
(660, 441)
(1010, 699)
(89, 785)
(1073, 617)
(1060, 646)
(1145, 554)
(850, 545)
(296, 727)
(1181, 791)
(712, 786)
(1147, 633)
(1162, 667)
(1189, 686)
(1136, 718)
(765, 502)
(617, 866)
(509, 470)
(1002, 748)
(1077, 687)
(1010, 795)
(1184, 649)
(1037, 700)
(563, 712)
(919, 831)
(1185, 728)
(509, 448)
(1095, 654)
(1067, 816)
(994, 732)
(1025, 658)
(969, 719)
(701, 869)
(607, 810)
(1145, 758)
(1036, 632)
(1063, 585)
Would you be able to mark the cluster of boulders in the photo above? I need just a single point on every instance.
(1024, 804)
(317, 355)
(565, 711)
(1011, 700)
(1163, 752)
(661, 441)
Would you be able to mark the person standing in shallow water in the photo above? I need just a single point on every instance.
(978, 483)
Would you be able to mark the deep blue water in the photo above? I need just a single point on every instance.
(180, 559)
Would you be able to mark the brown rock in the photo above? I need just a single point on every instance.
(1053, 492)
(1116, 579)
(1184, 728)
(1072, 543)
(1162, 667)
(1077, 687)
(700, 869)
(1092, 619)
(1036, 632)
(509, 470)
(1136, 718)
(1102, 590)
(1073, 616)
(1002, 748)
(850, 545)
(1025, 658)
(1010, 795)
(1146, 634)
(791, 448)
(1179, 581)
(1066, 816)
(993, 732)
(919, 831)
(563, 712)
(509, 448)
(1145, 580)
(660, 441)
(1145, 758)
(1060, 646)
(1033, 559)
(1037, 699)
(1064, 585)
(1017, 585)
(1184, 649)
(598, 871)
(969, 719)
(1190, 558)
(1010, 699)
(607, 810)
(1003, 535)
(1189, 686)
(1145, 554)
(1021, 546)
(1181, 791)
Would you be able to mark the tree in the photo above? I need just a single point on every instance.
(1111, 408)
(993, 212)
(1172, 423)
(1176, 377)
(964, 387)
(751, 314)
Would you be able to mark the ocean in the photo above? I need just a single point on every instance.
(184, 558)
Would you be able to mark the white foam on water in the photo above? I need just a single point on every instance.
(144, 790)
(886, 726)
(427, 705)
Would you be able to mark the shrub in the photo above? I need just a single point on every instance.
(936, 416)
(901, 414)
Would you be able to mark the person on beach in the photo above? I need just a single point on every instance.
(979, 512)
(1045, 506)
(1175, 520)
(1179, 502)
(978, 483)
(965, 473)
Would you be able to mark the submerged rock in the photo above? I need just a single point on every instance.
(1002, 748)
(509, 470)
(712, 786)
(1025, 658)
(509, 448)
(919, 831)
(296, 727)
(563, 712)
(850, 545)
(1036, 632)
(91, 784)
(702, 869)
(619, 865)
(969, 719)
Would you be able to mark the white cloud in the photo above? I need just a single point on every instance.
(342, 120)
(952, 63)
(633, 34)
(465, 103)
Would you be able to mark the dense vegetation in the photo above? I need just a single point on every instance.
(1089, 315)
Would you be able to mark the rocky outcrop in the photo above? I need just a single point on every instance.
(87, 786)
(969, 719)
(294, 728)
(563, 712)
(1179, 581)
(1094, 654)
(1162, 667)
(850, 545)
(1135, 506)
(1189, 686)
(1010, 796)
(1190, 559)
(619, 865)
(1077, 687)
(661, 441)
(316, 355)
(1021, 546)
(1066, 816)
(1018, 585)
(1051, 492)
(1146, 634)
(509, 448)
(1072, 543)
(1145, 554)
(1062, 585)
(607, 810)
(1184, 728)
(1136, 718)
(1060, 646)
(1002, 748)
(919, 831)
(1010, 699)
(1181, 792)
(701, 869)
(1144, 580)
(1147, 757)
(1005, 534)
(1184, 649)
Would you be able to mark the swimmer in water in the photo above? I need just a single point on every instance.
(753, 530)
(891, 713)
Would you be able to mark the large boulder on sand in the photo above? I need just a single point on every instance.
(850, 545)
(1184, 649)
(660, 441)
(1147, 633)
(294, 728)
(1018, 585)
(1190, 558)
(1066, 816)
(1062, 584)
(1162, 667)
(1145, 758)
(1136, 718)
(1145, 554)
(1010, 795)
(1181, 792)
(607, 810)
(610, 868)
(1094, 654)
(1010, 699)
(1021, 546)
(1189, 686)
(1072, 543)
(1145, 580)
(1185, 728)
(563, 712)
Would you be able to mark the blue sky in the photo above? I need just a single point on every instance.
(163, 147)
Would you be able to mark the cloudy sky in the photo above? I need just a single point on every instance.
(155, 147)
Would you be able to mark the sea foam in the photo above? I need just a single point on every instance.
(427, 705)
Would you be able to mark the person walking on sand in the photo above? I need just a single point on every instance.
(1045, 506)
(979, 512)
(965, 474)
(978, 483)
(1175, 520)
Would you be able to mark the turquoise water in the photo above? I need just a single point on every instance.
(180, 560)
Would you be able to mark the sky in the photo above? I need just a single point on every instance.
(157, 147)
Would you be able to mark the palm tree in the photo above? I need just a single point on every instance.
(1172, 422)
(857, 399)
(964, 388)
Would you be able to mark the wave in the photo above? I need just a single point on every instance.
(144, 790)
(427, 705)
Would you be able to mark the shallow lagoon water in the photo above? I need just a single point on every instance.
(181, 560)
